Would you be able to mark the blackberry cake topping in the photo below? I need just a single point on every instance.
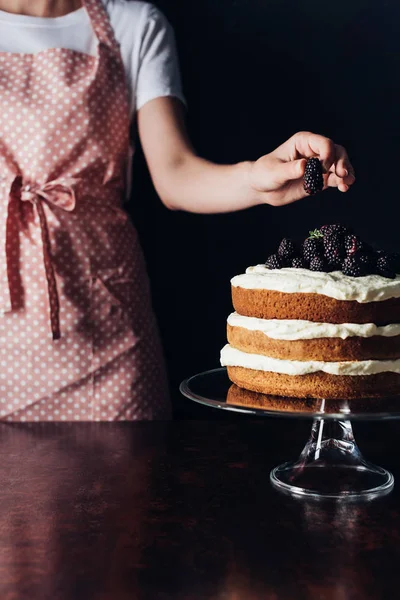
(287, 249)
(353, 267)
(368, 261)
(335, 228)
(353, 244)
(274, 262)
(317, 264)
(385, 266)
(335, 248)
(312, 180)
(299, 263)
(312, 247)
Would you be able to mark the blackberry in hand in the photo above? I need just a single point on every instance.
(275, 262)
(312, 180)
(299, 263)
(286, 248)
(317, 264)
(312, 247)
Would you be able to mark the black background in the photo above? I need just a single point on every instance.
(255, 72)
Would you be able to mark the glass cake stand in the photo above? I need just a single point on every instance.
(330, 465)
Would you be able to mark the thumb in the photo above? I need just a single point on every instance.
(289, 171)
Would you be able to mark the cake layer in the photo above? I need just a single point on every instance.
(246, 398)
(232, 357)
(317, 385)
(290, 329)
(241, 397)
(269, 304)
(320, 349)
(371, 288)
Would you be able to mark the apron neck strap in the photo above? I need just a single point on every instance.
(101, 23)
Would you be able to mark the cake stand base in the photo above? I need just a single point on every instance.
(331, 466)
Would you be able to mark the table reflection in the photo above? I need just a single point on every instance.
(72, 496)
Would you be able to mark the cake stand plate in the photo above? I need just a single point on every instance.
(331, 464)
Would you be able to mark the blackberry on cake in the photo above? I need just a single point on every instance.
(317, 264)
(334, 250)
(391, 258)
(287, 248)
(353, 244)
(298, 263)
(385, 266)
(313, 181)
(335, 228)
(368, 260)
(353, 267)
(312, 247)
(275, 262)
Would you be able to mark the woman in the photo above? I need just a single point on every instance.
(78, 338)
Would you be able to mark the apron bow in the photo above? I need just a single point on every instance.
(61, 194)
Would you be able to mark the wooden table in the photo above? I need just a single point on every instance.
(184, 511)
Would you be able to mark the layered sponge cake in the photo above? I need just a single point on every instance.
(314, 334)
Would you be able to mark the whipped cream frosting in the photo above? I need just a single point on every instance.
(285, 329)
(231, 357)
(371, 288)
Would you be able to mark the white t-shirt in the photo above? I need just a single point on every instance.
(146, 41)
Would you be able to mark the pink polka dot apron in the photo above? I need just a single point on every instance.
(78, 339)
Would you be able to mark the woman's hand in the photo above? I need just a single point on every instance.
(184, 181)
(278, 176)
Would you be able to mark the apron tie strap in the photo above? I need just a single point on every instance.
(59, 193)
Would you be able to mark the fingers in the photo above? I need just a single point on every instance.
(342, 167)
(311, 144)
(289, 171)
(293, 170)
(342, 183)
(280, 174)
(333, 156)
(291, 192)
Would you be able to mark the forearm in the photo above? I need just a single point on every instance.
(199, 186)
(186, 182)
(183, 180)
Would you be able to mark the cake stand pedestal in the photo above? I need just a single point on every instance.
(331, 464)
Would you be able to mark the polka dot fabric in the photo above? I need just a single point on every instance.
(78, 340)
